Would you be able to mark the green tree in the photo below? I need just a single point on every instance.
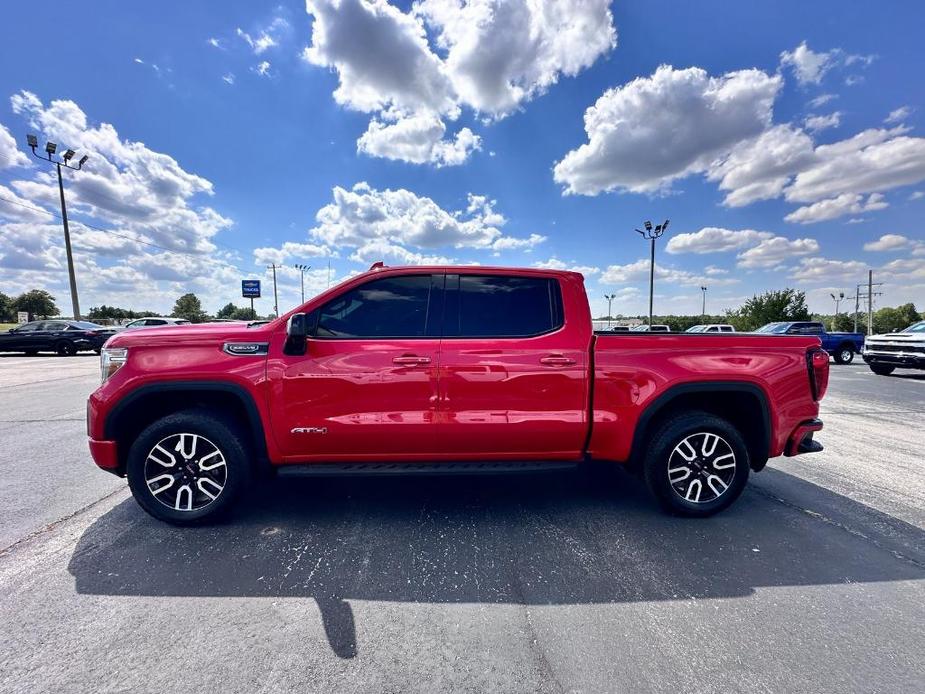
(227, 311)
(779, 305)
(887, 320)
(6, 309)
(844, 323)
(37, 303)
(189, 307)
(244, 314)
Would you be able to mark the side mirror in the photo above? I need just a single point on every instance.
(296, 334)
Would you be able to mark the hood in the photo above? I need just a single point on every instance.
(898, 337)
(193, 333)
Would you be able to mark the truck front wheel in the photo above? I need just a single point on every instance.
(188, 467)
(882, 369)
(696, 464)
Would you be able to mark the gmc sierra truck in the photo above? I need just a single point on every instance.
(447, 369)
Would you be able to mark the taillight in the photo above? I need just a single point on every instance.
(817, 362)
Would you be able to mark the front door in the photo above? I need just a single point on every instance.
(513, 381)
(366, 388)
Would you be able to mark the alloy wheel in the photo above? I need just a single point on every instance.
(185, 472)
(701, 467)
(846, 355)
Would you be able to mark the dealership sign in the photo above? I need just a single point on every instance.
(250, 289)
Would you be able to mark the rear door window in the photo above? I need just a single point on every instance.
(502, 306)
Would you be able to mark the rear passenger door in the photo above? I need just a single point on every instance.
(512, 381)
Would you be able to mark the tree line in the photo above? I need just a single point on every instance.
(39, 303)
(768, 307)
(790, 305)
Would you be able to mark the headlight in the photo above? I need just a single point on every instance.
(111, 360)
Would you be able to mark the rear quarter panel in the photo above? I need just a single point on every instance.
(632, 371)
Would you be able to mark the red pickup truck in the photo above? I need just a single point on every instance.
(446, 369)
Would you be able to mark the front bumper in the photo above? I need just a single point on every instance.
(105, 455)
(801, 440)
(911, 359)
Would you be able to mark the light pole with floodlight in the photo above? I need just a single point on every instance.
(703, 311)
(302, 270)
(610, 298)
(651, 234)
(50, 149)
(837, 300)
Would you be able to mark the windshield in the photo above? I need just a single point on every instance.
(773, 328)
(696, 329)
(84, 325)
(915, 328)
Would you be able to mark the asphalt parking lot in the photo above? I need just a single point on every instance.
(813, 581)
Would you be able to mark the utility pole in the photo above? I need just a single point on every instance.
(651, 235)
(275, 295)
(50, 149)
(302, 269)
(703, 310)
(610, 298)
(860, 294)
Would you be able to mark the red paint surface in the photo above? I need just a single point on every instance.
(460, 398)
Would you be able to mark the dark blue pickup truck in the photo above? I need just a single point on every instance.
(842, 346)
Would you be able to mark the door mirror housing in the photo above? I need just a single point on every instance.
(297, 329)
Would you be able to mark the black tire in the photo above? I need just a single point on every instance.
(844, 354)
(220, 434)
(662, 453)
(65, 349)
(881, 369)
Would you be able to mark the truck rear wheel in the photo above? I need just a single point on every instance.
(844, 354)
(696, 464)
(188, 468)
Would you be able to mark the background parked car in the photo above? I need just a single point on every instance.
(905, 349)
(65, 337)
(842, 346)
(153, 321)
(711, 328)
(651, 329)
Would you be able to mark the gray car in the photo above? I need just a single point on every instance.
(154, 321)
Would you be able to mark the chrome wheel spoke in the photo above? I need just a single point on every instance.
(204, 485)
(184, 498)
(701, 467)
(168, 459)
(155, 484)
(215, 459)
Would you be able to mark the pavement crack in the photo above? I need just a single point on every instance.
(45, 529)
(841, 526)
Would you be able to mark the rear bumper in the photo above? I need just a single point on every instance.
(801, 440)
(105, 455)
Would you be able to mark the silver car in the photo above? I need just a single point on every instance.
(153, 321)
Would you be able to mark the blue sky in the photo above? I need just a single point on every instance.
(783, 140)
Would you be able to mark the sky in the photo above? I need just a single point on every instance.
(783, 139)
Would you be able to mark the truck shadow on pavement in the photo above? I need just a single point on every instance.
(554, 538)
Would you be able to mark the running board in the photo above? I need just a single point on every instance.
(447, 468)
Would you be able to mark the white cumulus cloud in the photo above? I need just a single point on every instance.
(715, 240)
(653, 130)
(846, 203)
(417, 68)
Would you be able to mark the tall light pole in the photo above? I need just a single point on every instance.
(703, 311)
(302, 269)
(64, 161)
(651, 234)
(837, 300)
(275, 295)
(610, 298)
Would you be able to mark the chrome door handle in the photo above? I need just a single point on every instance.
(411, 360)
(557, 360)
